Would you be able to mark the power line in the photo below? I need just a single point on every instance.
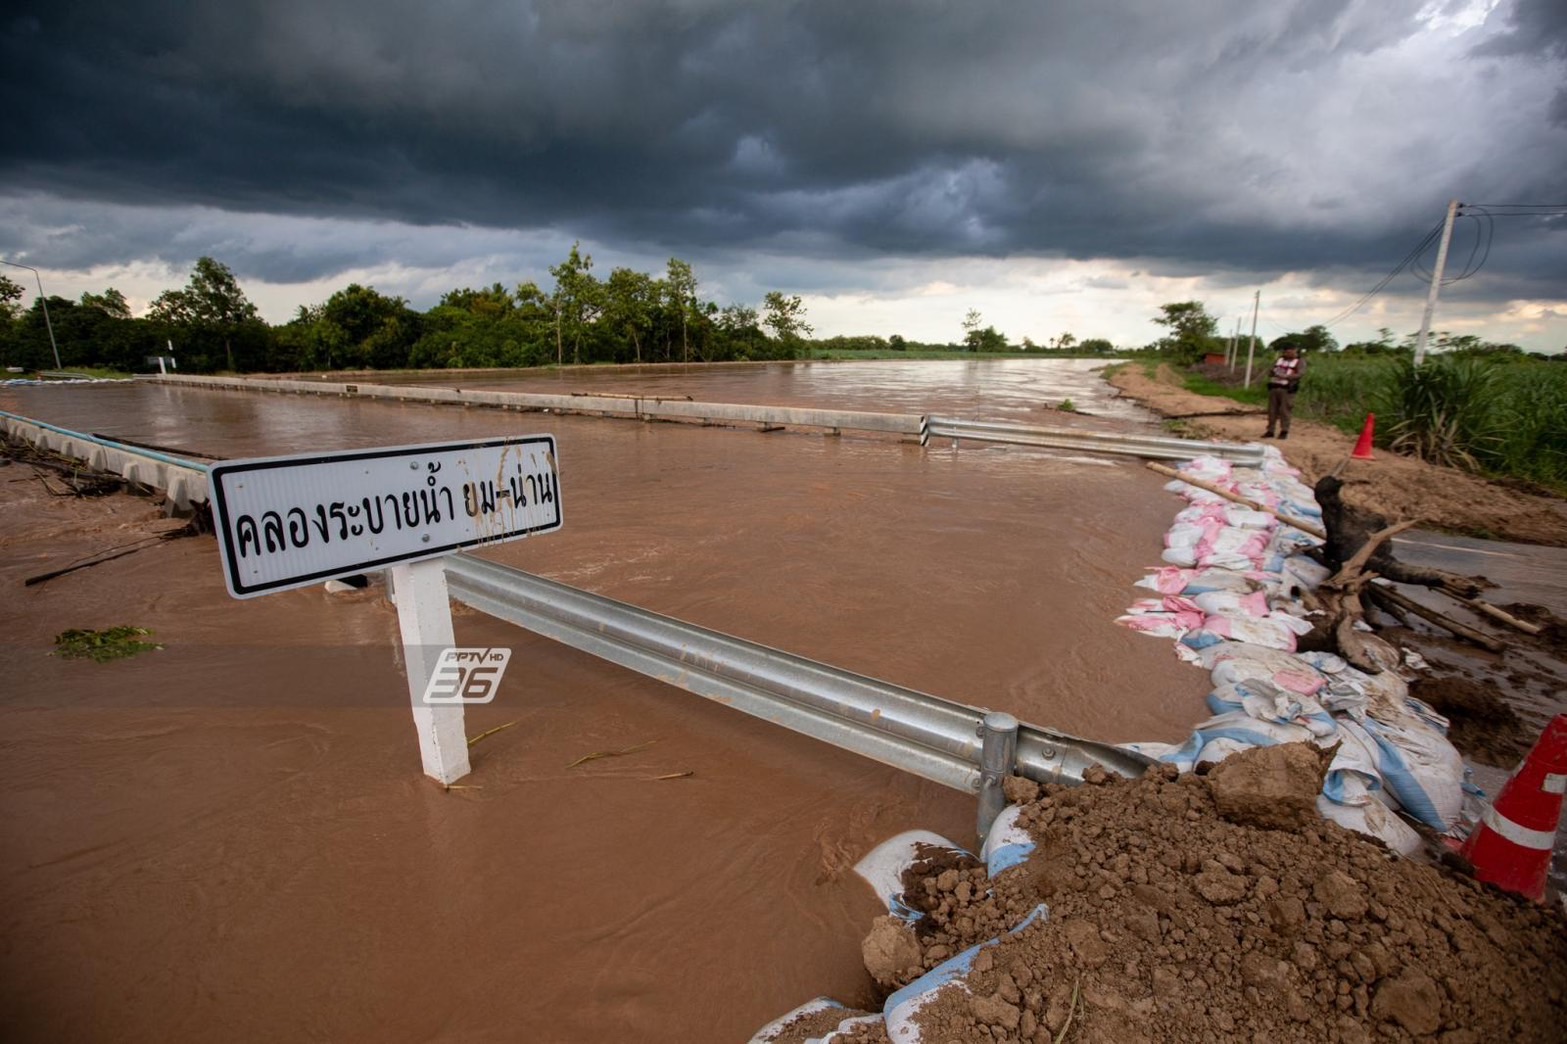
(1519, 206)
(1408, 260)
(1485, 229)
(1483, 215)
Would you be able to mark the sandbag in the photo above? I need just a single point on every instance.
(883, 866)
(1007, 845)
(776, 1030)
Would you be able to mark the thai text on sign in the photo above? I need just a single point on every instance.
(287, 522)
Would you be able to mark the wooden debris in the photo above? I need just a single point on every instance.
(1383, 593)
(1289, 520)
(101, 557)
(1487, 609)
(1357, 562)
(489, 732)
(596, 755)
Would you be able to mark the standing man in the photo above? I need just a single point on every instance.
(1283, 383)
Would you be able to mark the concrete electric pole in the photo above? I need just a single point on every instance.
(1251, 345)
(1436, 282)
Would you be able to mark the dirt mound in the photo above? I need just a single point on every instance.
(1480, 723)
(1167, 922)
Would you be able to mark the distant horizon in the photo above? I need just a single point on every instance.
(832, 315)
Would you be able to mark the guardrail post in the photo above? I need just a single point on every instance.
(998, 755)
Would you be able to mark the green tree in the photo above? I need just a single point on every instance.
(1097, 345)
(577, 301)
(1313, 339)
(1383, 345)
(11, 294)
(211, 308)
(365, 328)
(987, 340)
(785, 317)
(971, 324)
(680, 292)
(1191, 331)
(111, 303)
(629, 300)
(740, 328)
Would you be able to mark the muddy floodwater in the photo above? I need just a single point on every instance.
(230, 839)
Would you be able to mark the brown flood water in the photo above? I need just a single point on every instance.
(230, 839)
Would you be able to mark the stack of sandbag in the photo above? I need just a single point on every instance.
(884, 868)
(1228, 599)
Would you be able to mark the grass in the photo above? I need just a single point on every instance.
(100, 372)
(1256, 395)
(114, 644)
(1501, 417)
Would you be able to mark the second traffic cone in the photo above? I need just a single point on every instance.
(1363, 447)
(1511, 846)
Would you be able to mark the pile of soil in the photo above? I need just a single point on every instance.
(1221, 907)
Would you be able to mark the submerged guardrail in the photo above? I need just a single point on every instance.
(1151, 447)
(938, 739)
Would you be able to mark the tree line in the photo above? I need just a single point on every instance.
(210, 324)
(1191, 335)
(631, 317)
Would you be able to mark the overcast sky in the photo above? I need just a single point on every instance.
(1057, 166)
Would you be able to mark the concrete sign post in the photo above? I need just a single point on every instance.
(425, 618)
(287, 522)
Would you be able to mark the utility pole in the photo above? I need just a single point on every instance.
(1436, 282)
(1229, 352)
(1251, 345)
(44, 301)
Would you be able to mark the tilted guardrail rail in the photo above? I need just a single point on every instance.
(938, 739)
(1151, 447)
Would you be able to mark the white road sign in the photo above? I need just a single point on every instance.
(287, 522)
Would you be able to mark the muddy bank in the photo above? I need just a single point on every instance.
(1391, 485)
(1174, 915)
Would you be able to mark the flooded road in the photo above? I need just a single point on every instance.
(1015, 390)
(230, 838)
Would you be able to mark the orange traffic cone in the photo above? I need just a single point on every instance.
(1363, 447)
(1511, 846)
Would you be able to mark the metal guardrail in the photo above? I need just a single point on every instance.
(1152, 447)
(919, 733)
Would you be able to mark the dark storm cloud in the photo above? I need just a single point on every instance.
(1536, 27)
(1197, 134)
